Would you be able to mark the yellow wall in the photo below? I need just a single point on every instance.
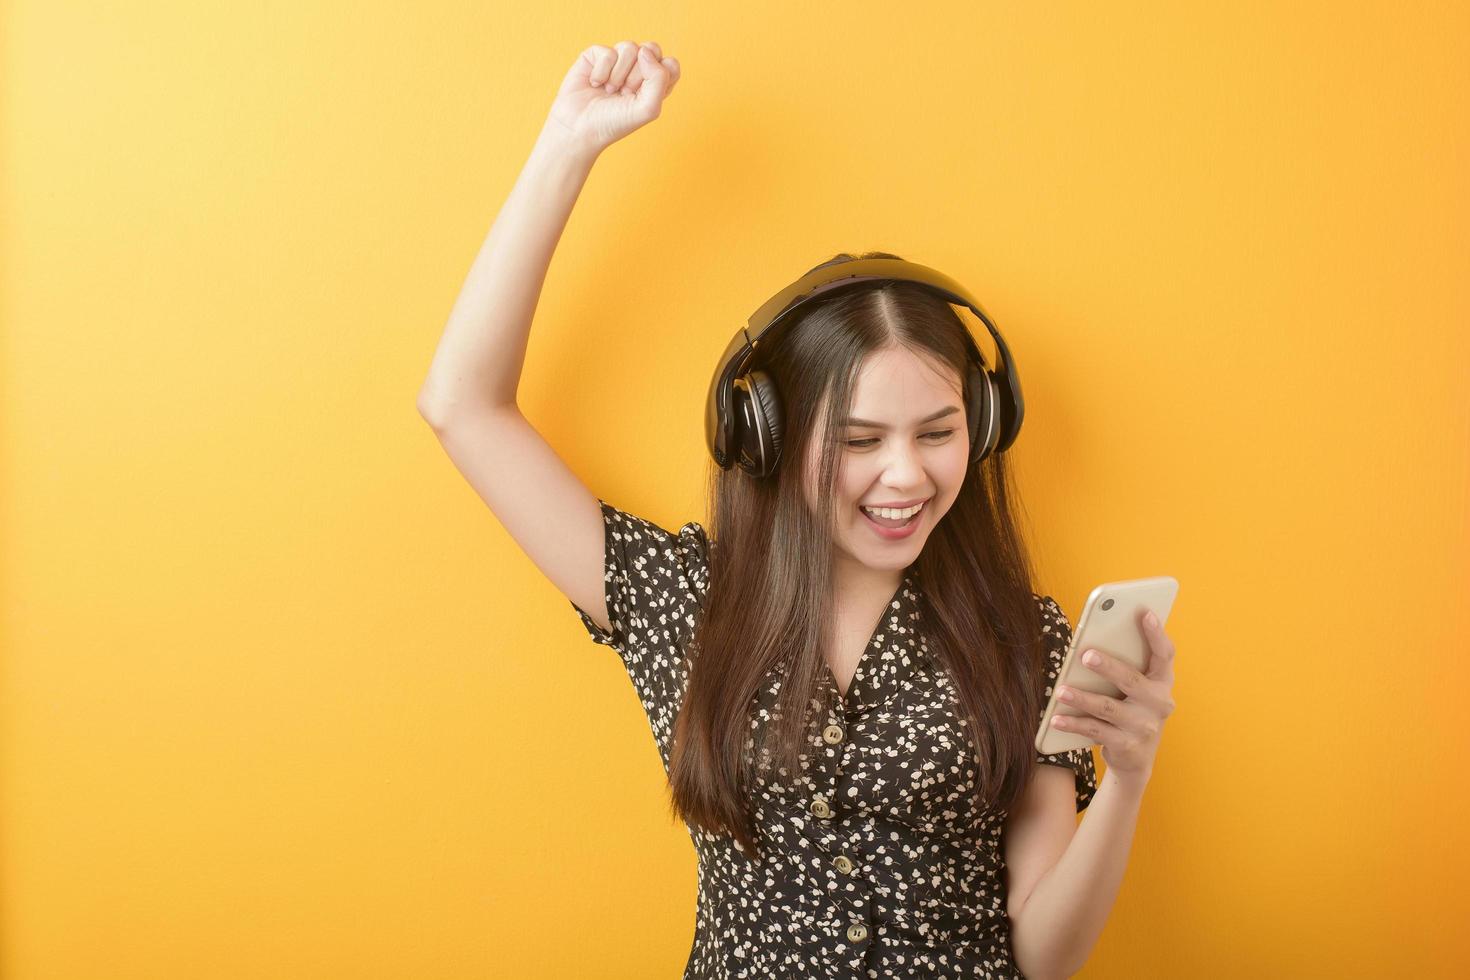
(281, 698)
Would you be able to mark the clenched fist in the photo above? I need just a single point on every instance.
(609, 92)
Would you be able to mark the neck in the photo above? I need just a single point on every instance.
(856, 584)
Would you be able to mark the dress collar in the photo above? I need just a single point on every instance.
(891, 656)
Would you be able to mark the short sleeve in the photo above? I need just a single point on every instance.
(1056, 636)
(654, 583)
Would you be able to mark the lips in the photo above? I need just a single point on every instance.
(891, 531)
(898, 506)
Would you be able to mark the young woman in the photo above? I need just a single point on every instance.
(845, 670)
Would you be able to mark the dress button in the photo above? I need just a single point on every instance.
(820, 808)
(857, 932)
(832, 734)
(844, 864)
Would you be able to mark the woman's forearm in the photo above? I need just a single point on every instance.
(478, 362)
(1064, 915)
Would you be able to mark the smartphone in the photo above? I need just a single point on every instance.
(1112, 623)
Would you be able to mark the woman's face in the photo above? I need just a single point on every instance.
(905, 441)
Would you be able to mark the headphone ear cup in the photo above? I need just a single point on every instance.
(973, 404)
(993, 412)
(757, 412)
(975, 410)
(744, 442)
(766, 406)
(980, 410)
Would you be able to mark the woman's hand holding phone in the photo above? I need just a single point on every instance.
(1128, 727)
(611, 91)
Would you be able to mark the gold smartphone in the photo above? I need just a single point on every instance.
(1112, 623)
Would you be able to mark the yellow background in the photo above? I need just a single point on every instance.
(281, 698)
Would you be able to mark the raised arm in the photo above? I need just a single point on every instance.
(469, 396)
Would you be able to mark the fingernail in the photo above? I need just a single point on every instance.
(1151, 619)
(1091, 658)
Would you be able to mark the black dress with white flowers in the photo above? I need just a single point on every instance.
(879, 859)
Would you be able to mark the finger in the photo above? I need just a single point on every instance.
(643, 66)
(1129, 716)
(656, 84)
(603, 58)
(670, 65)
(1099, 731)
(1151, 691)
(1125, 677)
(627, 54)
(1161, 649)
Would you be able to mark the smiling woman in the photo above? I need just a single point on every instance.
(844, 709)
(798, 655)
(901, 482)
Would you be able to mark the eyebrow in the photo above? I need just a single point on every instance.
(867, 424)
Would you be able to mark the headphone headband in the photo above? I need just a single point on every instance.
(722, 411)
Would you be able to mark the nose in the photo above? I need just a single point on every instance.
(902, 465)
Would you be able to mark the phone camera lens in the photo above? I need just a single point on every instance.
(1106, 604)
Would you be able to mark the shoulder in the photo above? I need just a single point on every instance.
(655, 578)
(1056, 636)
(1056, 630)
(640, 548)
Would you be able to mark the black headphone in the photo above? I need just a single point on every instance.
(742, 415)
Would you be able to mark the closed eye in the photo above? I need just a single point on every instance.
(864, 443)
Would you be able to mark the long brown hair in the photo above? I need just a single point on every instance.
(769, 603)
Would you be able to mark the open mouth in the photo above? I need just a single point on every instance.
(894, 520)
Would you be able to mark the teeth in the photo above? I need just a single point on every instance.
(895, 515)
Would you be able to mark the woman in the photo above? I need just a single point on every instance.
(849, 740)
